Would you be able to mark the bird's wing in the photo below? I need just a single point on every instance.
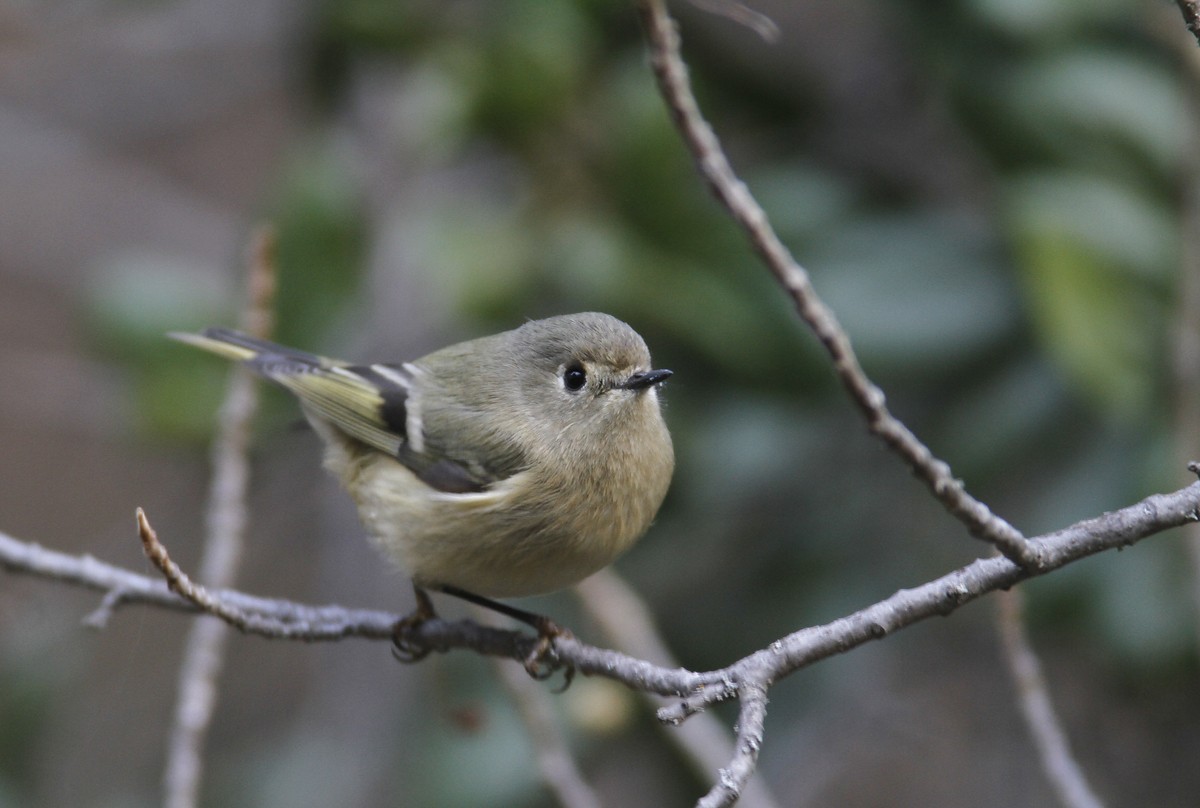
(369, 403)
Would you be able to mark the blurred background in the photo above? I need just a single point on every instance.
(992, 194)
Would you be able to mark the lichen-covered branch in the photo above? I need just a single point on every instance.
(695, 690)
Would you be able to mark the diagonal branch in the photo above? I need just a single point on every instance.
(1062, 770)
(534, 706)
(751, 719)
(944, 595)
(626, 623)
(675, 87)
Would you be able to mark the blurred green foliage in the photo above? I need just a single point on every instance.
(1019, 322)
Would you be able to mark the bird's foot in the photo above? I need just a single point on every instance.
(542, 661)
(405, 646)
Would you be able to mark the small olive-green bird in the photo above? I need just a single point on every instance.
(505, 466)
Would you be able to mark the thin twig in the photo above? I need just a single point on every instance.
(627, 624)
(742, 14)
(1061, 769)
(734, 777)
(226, 517)
(112, 601)
(551, 751)
(675, 87)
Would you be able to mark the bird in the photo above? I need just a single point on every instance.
(510, 465)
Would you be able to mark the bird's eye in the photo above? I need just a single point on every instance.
(574, 378)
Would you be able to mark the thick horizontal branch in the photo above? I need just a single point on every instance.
(754, 674)
(288, 620)
(122, 587)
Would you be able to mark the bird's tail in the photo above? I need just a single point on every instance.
(258, 353)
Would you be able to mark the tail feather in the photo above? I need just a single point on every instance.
(260, 354)
(345, 399)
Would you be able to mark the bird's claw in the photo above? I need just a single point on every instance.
(543, 661)
(406, 647)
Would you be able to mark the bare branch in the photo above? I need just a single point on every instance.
(1063, 772)
(697, 690)
(320, 623)
(944, 595)
(120, 586)
(282, 619)
(751, 718)
(554, 761)
(226, 517)
(627, 624)
(673, 83)
(742, 14)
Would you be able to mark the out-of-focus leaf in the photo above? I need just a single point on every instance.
(1086, 100)
(999, 425)
(476, 252)
(1091, 321)
(802, 201)
(133, 303)
(645, 172)
(530, 70)
(321, 245)
(1086, 249)
(1127, 231)
(914, 292)
(373, 24)
(1044, 18)
(135, 299)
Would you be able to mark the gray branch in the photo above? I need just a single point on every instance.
(748, 678)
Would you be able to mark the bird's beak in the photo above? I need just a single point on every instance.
(646, 378)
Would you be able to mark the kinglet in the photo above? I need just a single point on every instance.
(505, 466)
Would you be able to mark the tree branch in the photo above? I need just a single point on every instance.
(1063, 772)
(226, 517)
(550, 750)
(626, 623)
(751, 719)
(696, 690)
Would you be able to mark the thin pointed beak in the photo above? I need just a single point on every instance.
(645, 379)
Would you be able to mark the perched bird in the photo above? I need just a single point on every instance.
(504, 466)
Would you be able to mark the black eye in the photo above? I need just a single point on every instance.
(574, 378)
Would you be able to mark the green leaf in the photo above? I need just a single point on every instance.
(1085, 103)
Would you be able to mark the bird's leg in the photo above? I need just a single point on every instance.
(404, 647)
(540, 664)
